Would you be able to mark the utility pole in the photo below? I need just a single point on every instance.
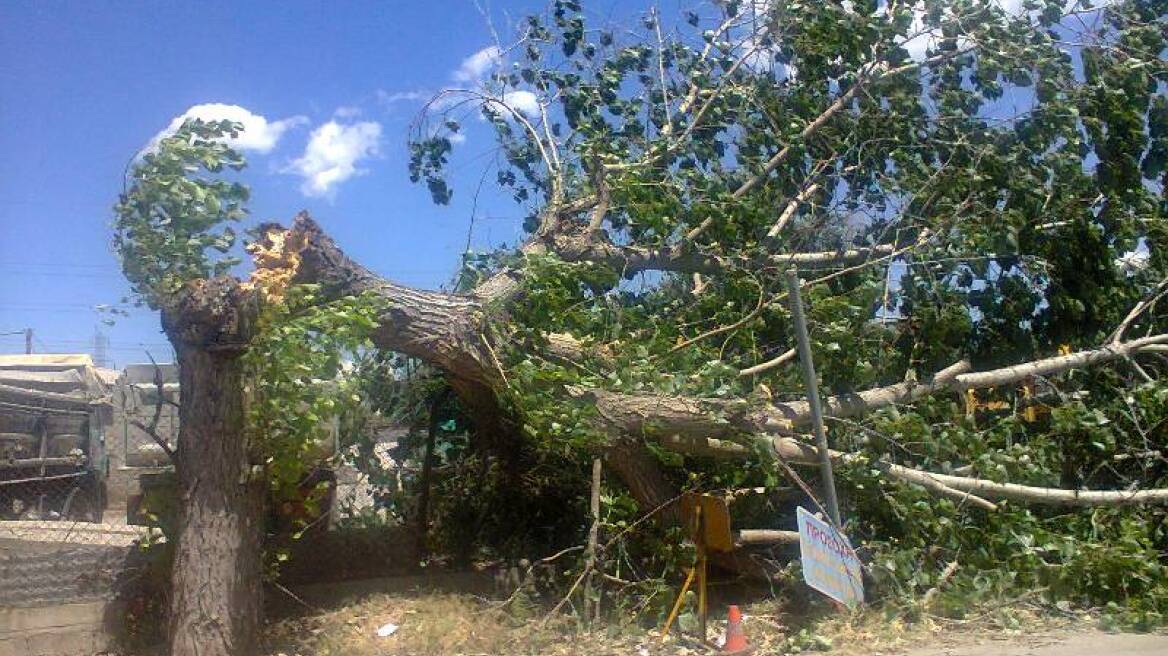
(812, 385)
(28, 341)
(100, 346)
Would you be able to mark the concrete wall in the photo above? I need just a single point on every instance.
(74, 629)
(130, 447)
(58, 599)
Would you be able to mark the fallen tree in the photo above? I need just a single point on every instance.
(454, 342)
(670, 178)
(591, 221)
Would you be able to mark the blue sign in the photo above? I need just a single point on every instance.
(830, 564)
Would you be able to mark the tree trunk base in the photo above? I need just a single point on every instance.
(216, 598)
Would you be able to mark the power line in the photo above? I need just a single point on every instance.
(63, 311)
(74, 345)
(58, 265)
(55, 304)
(61, 274)
(86, 341)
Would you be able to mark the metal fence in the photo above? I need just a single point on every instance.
(60, 562)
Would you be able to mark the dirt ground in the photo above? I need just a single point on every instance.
(439, 624)
(1053, 643)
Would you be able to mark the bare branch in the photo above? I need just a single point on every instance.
(1156, 294)
(152, 429)
(789, 211)
(782, 359)
(158, 439)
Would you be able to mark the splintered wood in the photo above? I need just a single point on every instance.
(277, 259)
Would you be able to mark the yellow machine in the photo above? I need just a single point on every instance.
(708, 520)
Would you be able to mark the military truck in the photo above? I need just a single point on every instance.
(55, 412)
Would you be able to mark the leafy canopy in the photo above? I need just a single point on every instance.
(174, 223)
(174, 227)
(1012, 161)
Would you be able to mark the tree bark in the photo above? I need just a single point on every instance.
(639, 470)
(216, 593)
(630, 260)
(679, 418)
(449, 331)
(452, 332)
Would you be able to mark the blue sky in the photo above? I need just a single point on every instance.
(85, 85)
(327, 90)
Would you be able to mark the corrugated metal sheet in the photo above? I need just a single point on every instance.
(46, 361)
(51, 377)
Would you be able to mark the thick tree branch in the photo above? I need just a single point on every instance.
(443, 329)
(722, 418)
(1059, 364)
(447, 330)
(630, 260)
(798, 452)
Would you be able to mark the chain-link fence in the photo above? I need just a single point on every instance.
(81, 464)
(58, 562)
(57, 413)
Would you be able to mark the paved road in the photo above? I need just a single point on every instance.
(1054, 644)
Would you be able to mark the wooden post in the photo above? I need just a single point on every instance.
(812, 385)
(423, 517)
(703, 575)
(593, 536)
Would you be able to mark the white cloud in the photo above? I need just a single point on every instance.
(524, 102)
(332, 155)
(259, 134)
(386, 98)
(473, 73)
(347, 111)
(475, 67)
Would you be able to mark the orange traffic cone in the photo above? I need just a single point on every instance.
(735, 638)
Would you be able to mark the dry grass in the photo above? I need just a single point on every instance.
(433, 624)
(429, 624)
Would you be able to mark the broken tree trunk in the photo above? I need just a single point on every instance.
(452, 331)
(449, 331)
(216, 594)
